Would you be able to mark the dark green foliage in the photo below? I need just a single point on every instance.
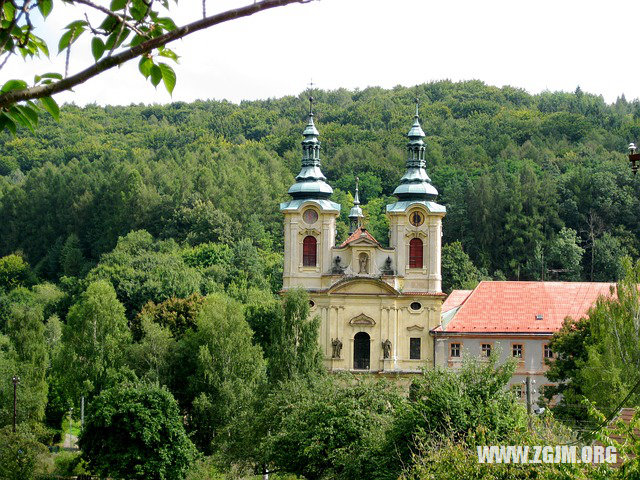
(94, 342)
(294, 348)
(176, 314)
(14, 272)
(458, 271)
(329, 427)
(217, 371)
(454, 404)
(136, 431)
(21, 455)
(513, 169)
(142, 269)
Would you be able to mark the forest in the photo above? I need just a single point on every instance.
(141, 264)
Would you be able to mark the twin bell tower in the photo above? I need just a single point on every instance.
(377, 304)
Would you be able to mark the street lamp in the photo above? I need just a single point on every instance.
(16, 381)
(634, 158)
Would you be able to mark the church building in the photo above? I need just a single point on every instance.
(377, 305)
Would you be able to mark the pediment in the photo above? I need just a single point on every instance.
(414, 328)
(362, 286)
(362, 320)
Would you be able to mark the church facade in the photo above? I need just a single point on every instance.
(377, 305)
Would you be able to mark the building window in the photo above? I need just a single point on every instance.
(309, 255)
(415, 253)
(486, 349)
(455, 350)
(517, 350)
(547, 352)
(416, 305)
(414, 348)
(518, 389)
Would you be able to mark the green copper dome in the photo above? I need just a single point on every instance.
(310, 182)
(415, 184)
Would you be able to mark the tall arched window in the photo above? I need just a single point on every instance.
(415, 253)
(309, 255)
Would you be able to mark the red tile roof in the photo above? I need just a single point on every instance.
(455, 299)
(359, 233)
(524, 307)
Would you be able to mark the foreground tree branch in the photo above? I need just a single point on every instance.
(12, 97)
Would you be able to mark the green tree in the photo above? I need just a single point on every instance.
(14, 272)
(217, 372)
(458, 271)
(142, 269)
(294, 348)
(454, 404)
(21, 455)
(136, 431)
(565, 255)
(327, 427)
(94, 341)
(612, 366)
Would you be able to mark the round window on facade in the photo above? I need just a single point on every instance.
(310, 216)
(416, 218)
(416, 306)
(312, 303)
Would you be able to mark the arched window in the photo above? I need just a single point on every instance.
(415, 253)
(309, 255)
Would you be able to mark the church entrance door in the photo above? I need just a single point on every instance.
(361, 351)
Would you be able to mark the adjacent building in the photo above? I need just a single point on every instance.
(512, 319)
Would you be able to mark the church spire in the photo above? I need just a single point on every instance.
(355, 215)
(415, 183)
(310, 182)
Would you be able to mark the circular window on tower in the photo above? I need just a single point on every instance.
(310, 216)
(416, 306)
(416, 218)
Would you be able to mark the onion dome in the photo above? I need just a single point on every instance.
(310, 182)
(415, 184)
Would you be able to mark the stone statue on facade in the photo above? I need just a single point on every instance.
(336, 344)
(387, 270)
(386, 349)
(364, 263)
(337, 269)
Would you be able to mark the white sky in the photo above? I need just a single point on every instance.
(536, 45)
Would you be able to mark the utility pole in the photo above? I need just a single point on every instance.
(529, 393)
(16, 381)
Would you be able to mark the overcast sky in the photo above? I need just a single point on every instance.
(536, 45)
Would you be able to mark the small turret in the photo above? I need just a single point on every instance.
(355, 215)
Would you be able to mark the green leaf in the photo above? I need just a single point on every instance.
(18, 118)
(118, 5)
(165, 52)
(145, 66)
(50, 105)
(167, 23)
(97, 48)
(6, 122)
(168, 77)
(9, 11)
(116, 38)
(29, 113)
(76, 24)
(156, 75)
(45, 7)
(13, 85)
(65, 40)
